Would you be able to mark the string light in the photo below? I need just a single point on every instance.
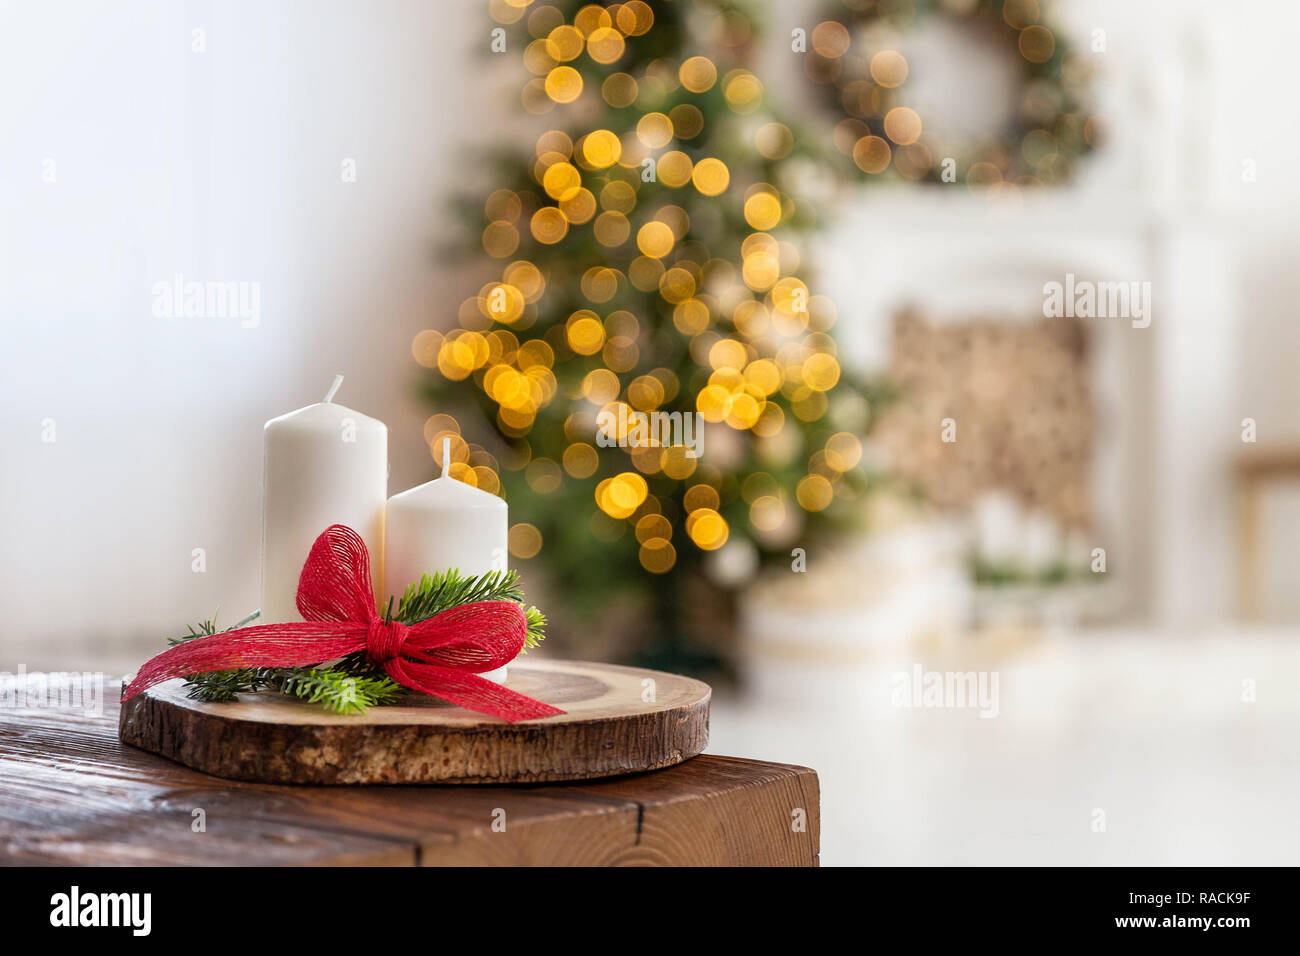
(756, 352)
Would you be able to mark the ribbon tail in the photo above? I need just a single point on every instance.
(267, 645)
(469, 691)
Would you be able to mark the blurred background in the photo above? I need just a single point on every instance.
(824, 227)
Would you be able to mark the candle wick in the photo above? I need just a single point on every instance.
(329, 396)
(446, 457)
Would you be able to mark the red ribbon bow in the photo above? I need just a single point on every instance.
(441, 655)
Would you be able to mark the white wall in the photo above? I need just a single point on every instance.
(222, 165)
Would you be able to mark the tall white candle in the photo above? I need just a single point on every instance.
(444, 524)
(325, 464)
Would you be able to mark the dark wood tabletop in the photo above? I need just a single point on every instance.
(71, 793)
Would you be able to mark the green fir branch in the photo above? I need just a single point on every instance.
(447, 589)
(536, 624)
(357, 664)
(436, 593)
(220, 686)
(223, 686)
(334, 689)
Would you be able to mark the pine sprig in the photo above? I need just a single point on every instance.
(447, 589)
(334, 689)
(358, 665)
(536, 626)
(220, 686)
(342, 690)
(223, 686)
(436, 593)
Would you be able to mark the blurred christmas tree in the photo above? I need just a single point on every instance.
(648, 267)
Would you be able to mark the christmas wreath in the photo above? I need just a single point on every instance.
(854, 59)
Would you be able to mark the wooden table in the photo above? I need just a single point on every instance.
(72, 794)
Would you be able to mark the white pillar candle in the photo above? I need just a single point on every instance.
(444, 524)
(325, 464)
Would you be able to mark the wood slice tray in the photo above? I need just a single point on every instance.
(607, 729)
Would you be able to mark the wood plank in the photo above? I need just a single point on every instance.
(691, 818)
(610, 727)
(72, 793)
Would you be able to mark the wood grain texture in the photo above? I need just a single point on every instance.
(608, 729)
(71, 793)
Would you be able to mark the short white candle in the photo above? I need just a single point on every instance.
(444, 524)
(325, 464)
